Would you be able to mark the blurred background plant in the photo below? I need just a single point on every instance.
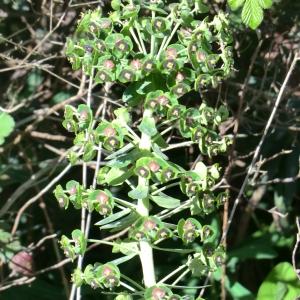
(37, 82)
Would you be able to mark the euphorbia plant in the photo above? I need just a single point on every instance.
(156, 54)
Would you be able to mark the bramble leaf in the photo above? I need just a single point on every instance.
(252, 12)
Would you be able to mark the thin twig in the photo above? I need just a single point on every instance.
(296, 247)
(259, 146)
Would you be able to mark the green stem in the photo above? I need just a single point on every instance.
(146, 252)
(152, 37)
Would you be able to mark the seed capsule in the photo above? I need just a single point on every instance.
(163, 100)
(136, 64)
(107, 271)
(188, 225)
(73, 190)
(109, 64)
(153, 166)
(102, 197)
(149, 225)
(171, 53)
(109, 131)
(158, 293)
(83, 115)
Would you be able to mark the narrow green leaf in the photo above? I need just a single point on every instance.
(147, 126)
(140, 192)
(165, 201)
(114, 217)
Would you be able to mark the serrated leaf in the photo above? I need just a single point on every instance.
(252, 14)
(165, 201)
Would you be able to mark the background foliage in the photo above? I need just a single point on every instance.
(37, 81)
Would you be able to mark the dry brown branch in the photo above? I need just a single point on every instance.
(259, 146)
(296, 248)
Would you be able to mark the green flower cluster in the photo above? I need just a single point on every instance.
(157, 53)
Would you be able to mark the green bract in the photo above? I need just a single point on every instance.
(158, 55)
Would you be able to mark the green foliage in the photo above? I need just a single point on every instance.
(252, 10)
(281, 284)
(7, 125)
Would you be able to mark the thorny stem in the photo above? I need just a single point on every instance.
(146, 252)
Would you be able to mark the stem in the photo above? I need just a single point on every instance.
(140, 37)
(146, 252)
(152, 37)
(84, 221)
(136, 40)
(172, 274)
